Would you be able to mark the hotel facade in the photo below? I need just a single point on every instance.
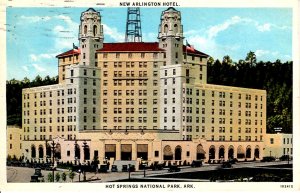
(140, 100)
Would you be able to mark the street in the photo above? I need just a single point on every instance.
(22, 174)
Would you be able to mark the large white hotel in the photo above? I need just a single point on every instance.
(144, 100)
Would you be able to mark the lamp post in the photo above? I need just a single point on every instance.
(288, 157)
(53, 152)
(144, 166)
(79, 172)
(84, 159)
(129, 165)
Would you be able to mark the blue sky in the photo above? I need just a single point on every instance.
(36, 35)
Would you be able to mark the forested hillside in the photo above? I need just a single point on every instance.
(14, 96)
(275, 77)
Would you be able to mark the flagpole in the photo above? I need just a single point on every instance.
(186, 52)
(73, 53)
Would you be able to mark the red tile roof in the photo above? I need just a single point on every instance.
(69, 53)
(193, 52)
(131, 47)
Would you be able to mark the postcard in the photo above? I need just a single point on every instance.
(150, 96)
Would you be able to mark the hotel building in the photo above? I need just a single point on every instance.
(140, 100)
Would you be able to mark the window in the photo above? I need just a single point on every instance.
(271, 140)
(156, 153)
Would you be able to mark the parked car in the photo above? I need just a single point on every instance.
(196, 163)
(103, 169)
(124, 168)
(226, 164)
(132, 168)
(38, 172)
(268, 159)
(174, 168)
(114, 168)
(34, 178)
(233, 161)
(285, 158)
(157, 167)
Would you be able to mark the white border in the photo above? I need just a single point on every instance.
(100, 187)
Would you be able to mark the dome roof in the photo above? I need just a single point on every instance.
(91, 9)
(172, 9)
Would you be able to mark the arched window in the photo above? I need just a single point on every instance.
(95, 30)
(166, 28)
(178, 151)
(212, 152)
(85, 29)
(41, 151)
(175, 28)
(33, 151)
(168, 154)
(221, 152)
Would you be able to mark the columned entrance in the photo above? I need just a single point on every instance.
(110, 151)
(142, 151)
(126, 151)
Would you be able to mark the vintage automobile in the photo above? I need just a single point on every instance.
(174, 168)
(196, 163)
(103, 169)
(268, 159)
(114, 168)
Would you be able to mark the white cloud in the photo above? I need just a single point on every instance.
(275, 54)
(33, 57)
(38, 68)
(264, 27)
(214, 30)
(113, 33)
(25, 68)
(66, 34)
(40, 57)
(34, 19)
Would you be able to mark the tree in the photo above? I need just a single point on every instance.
(57, 177)
(251, 58)
(227, 60)
(63, 176)
(210, 60)
(50, 177)
(71, 175)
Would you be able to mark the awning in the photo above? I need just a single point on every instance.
(240, 150)
(168, 151)
(200, 149)
(110, 148)
(126, 148)
(142, 148)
